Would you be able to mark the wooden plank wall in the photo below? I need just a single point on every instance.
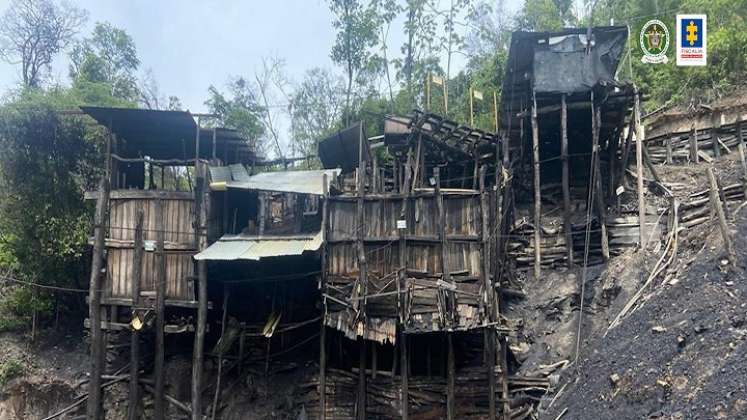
(179, 244)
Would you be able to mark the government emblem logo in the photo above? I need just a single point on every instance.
(691, 40)
(654, 41)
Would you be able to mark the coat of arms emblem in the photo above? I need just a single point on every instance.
(654, 41)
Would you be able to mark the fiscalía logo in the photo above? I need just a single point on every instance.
(654, 41)
(691, 40)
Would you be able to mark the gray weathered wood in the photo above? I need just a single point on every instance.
(639, 171)
(159, 410)
(567, 227)
(537, 197)
(716, 203)
(94, 408)
(137, 267)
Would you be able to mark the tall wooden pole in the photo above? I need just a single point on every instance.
(495, 111)
(94, 307)
(323, 332)
(160, 402)
(401, 298)
(718, 207)
(471, 108)
(137, 269)
(202, 298)
(639, 171)
(596, 124)
(566, 179)
(450, 378)
(537, 197)
(363, 281)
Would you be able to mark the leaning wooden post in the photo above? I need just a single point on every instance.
(601, 207)
(716, 203)
(160, 402)
(94, 307)
(537, 197)
(323, 285)
(567, 227)
(715, 131)
(137, 270)
(639, 171)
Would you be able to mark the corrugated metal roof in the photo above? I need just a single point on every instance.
(238, 247)
(302, 182)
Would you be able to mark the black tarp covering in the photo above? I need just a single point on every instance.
(341, 149)
(557, 62)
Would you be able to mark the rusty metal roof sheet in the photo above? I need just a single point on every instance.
(254, 248)
(301, 182)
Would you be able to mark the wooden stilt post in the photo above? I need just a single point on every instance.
(361, 406)
(693, 140)
(160, 402)
(718, 206)
(715, 133)
(489, 332)
(670, 153)
(505, 396)
(323, 332)
(94, 308)
(740, 146)
(450, 378)
(566, 179)
(362, 275)
(596, 116)
(137, 270)
(224, 321)
(200, 329)
(405, 374)
(537, 197)
(639, 171)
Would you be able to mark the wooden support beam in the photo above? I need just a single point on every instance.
(639, 134)
(159, 410)
(405, 375)
(537, 197)
(715, 132)
(137, 269)
(323, 280)
(450, 378)
(596, 158)
(505, 396)
(668, 144)
(740, 145)
(450, 315)
(566, 180)
(718, 206)
(94, 408)
(361, 404)
(199, 341)
(362, 279)
(224, 320)
(693, 140)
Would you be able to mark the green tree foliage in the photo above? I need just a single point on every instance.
(239, 109)
(105, 64)
(545, 15)
(357, 35)
(315, 110)
(48, 159)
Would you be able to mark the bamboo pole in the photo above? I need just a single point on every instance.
(537, 198)
(94, 408)
(363, 281)
(601, 207)
(137, 269)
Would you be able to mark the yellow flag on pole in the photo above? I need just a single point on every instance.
(477, 94)
(437, 80)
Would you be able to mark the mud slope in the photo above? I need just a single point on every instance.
(682, 355)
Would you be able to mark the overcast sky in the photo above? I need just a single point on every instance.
(190, 45)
